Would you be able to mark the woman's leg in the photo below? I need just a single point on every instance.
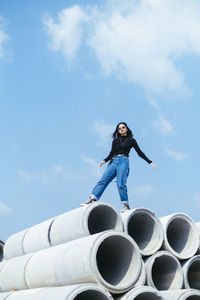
(106, 178)
(122, 175)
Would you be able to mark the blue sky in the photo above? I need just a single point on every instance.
(69, 72)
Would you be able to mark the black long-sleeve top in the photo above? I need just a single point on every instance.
(123, 145)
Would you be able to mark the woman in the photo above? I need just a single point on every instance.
(118, 167)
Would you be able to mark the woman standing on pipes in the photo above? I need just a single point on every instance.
(118, 166)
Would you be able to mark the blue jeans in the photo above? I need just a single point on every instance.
(118, 168)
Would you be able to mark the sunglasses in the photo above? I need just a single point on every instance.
(120, 128)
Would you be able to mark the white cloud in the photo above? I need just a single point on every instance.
(94, 165)
(104, 132)
(51, 175)
(4, 209)
(139, 41)
(179, 156)
(143, 190)
(67, 34)
(164, 126)
(3, 38)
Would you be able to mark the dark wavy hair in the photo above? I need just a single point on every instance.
(116, 133)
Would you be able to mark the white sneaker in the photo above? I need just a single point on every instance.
(125, 208)
(89, 201)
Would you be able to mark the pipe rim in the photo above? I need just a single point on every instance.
(149, 265)
(137, 260)
(192, 224)
(86, 287)
(137, 291)
(186, 269)
(157, 223)
(93, 206)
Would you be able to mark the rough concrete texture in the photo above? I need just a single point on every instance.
(181, 236)
(12, 273)
(145, 228)
(141, 293)
(87, 247)
(111, 259)
(4, 296)
(142, 277)
(191, 272)
(82, 221)
(14, 245)
(75, 292)
(187, 294)
(164, 271)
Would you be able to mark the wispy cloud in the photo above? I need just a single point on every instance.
(179, 156)
(51, 175)
(143, 190)
(139, 41)
(67, 34)
(3, 38)
(94, 168)
(4, 209)
(104, 132)
(163, 126)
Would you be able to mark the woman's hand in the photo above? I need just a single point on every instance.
(153, 165)
(101, 163)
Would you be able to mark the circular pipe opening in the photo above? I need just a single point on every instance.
(91, 295)
(103, 217)
(193, 275)
(181, 236)
(118, 261)
(147, 296)
(192, 298)
(166, 273)
(143, 228)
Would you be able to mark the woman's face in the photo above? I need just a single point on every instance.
(122, 129)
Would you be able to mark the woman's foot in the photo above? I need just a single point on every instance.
(89, 201)
(125, 207)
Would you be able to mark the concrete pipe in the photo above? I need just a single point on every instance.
(4, 296)
(111, 259)
(75, 292)
(141, 293)
(1, 250)
(14, 245)
(71, 225)
(12, 273)
(1, 267)
(145, 228)
(84, 221)
(188, 294)
(191, 272)
(198, 228)
(181, 236)
(142, 277)
(29, 240)
(164, 271)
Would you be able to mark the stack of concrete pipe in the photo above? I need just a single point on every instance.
(94, 253)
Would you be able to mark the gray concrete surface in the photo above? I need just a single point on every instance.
(74, 224)
(111, 259)
(181, 236)
(75, 292)
(187, 294)
(141, 293)
(145, 228)
(191, 272)
(164, 271)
